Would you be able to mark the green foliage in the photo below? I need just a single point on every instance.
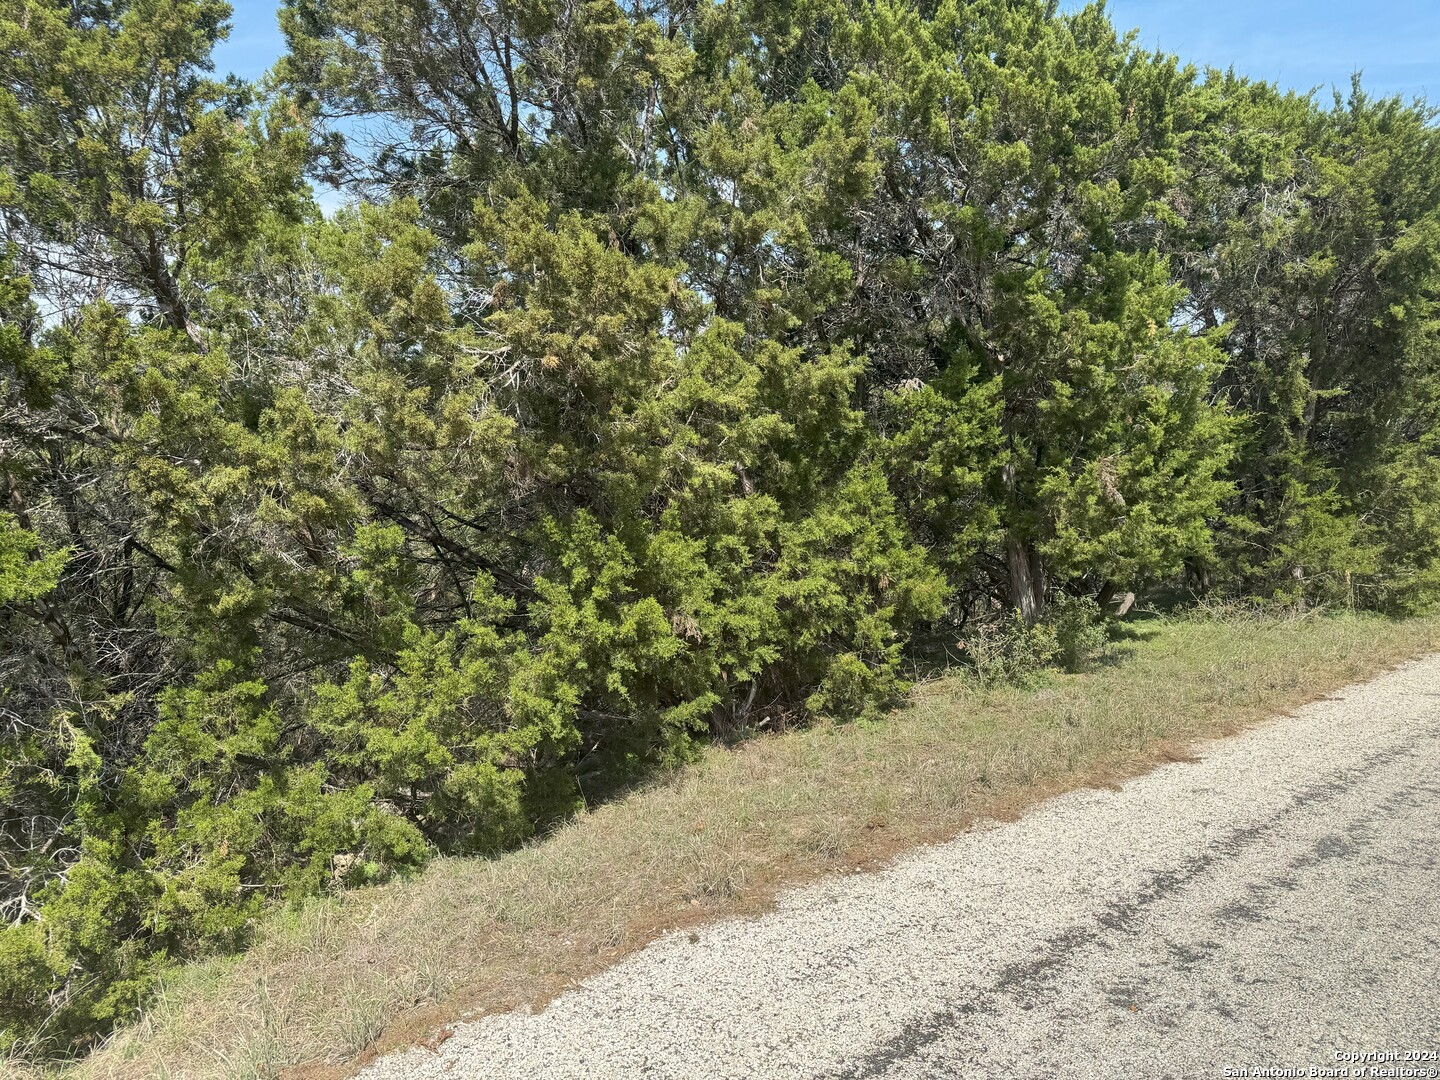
(667, 373)
(1312, 251)
(1011, 651)
(1080, 632)
(25, 574)
(941, 447)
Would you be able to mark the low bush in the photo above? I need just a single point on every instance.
(1080, 633)
(1011, 651)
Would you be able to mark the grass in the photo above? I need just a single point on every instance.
(386, 966)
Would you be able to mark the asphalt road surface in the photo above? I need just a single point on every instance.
(1273, 906)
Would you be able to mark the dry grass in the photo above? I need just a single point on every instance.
(386, 966)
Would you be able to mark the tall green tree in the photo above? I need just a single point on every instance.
(1308, 243)
(973, 202)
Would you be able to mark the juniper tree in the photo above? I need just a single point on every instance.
(667, 371)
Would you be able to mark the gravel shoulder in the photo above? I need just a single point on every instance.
(1269, 904)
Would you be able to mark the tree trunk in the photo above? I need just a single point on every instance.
(1022, 562)
(166, 291)
(1106, 595)
(1199, 575)
(1027, 580)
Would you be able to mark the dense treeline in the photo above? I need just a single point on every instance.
(670, 370)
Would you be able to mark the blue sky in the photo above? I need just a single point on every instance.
(254, 43)
(1298, 43)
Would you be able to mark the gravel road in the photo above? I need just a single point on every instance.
(1273, 905)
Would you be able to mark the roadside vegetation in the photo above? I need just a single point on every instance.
(662, 374)
(389, 966)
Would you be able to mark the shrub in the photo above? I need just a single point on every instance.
(1011, 651)
(1080, 634)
